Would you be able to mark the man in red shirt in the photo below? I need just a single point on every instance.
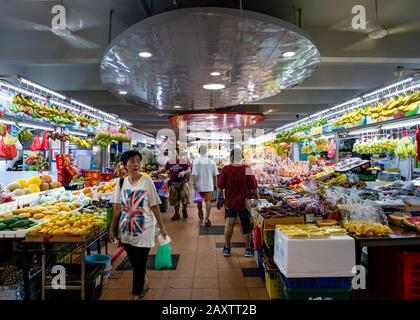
(178, 191)
(239, 184)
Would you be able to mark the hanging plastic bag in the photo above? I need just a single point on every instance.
(2, 154)
(331, 151)
(9, 151)
(163, 258)
(36, 144)
(45, 144)
(197, 197)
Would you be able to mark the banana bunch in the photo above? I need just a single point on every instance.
(2, 129)
(349, 117)
(339, 178)
(81, 142)
(309, 147)
(394, 105)
(25, 135)
(406, 149)
(38, 110)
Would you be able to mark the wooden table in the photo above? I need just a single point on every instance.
(400, 237)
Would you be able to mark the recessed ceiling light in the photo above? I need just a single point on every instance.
(214, 86)
(215, 73)
(145, 54)
(177, 107)
(378, 34)
(289, 54)
(211, 117)
(123, 92)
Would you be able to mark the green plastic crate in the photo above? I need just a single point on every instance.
(367, 177)
(313, 294)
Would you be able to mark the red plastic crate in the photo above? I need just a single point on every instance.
(396, 271)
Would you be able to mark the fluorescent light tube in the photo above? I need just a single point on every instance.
(111, 122)
(83, 105)
(28, 93)
(34, 126)
(127, 123)
(93, 116)
(35, 85)
(76, 133)
(403, 90)
(58, 103)
(400, 124)
(7, 121)
(388, 87)
(345, 103)
(367, 130)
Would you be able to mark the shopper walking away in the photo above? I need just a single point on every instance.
(239, 184)
(204, 173)
(179, 192)
(136, 208)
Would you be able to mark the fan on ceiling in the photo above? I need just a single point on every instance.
(67, 34)
(374, 31)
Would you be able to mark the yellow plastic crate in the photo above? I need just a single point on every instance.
(272, 284)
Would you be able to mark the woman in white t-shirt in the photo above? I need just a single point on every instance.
(136, 207)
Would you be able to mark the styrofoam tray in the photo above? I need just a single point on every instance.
(7, 207)
(16, 234)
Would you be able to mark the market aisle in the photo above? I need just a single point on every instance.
(202, 271)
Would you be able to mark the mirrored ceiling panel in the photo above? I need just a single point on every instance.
(207, 58)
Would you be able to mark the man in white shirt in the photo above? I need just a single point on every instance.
(204, 173)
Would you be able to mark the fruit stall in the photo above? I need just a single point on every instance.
(354, 192)
(55, 187)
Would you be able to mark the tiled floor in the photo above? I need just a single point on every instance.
(203, 273)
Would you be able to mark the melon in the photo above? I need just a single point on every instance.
(22, 183)
(46, 178)
(19, 192)
(34, 188)
(27, 191)
(14, 186)
(45, 186)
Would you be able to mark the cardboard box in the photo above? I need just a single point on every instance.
(270, 224)
(309, 258)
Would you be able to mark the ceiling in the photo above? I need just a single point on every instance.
(350, 62)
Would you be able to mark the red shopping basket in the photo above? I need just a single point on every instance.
(396, 271)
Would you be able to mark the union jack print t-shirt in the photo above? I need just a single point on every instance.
(137, 221)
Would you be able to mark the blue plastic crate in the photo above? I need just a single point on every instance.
(313, 293)
(317, 283)
(261, 270)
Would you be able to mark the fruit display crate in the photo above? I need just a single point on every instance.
(18, 234)
(367, 177)
(313, 293)
(396, 271)
(49, 238)
(33, 198)
(318, 283)
(272, 281)
(268, 237)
